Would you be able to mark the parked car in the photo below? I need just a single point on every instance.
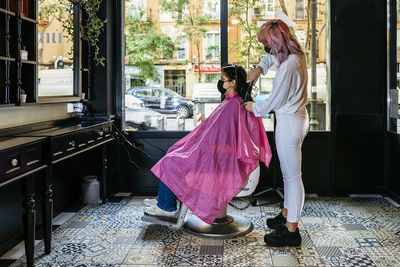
(137, 117)
(163, 100)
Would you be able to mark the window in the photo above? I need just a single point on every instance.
(211, 8)
(265, 11)
(161, 93)
(143, 93)
(270, 5)
(178, 56)
(175, 80)
(55, 54)
(301, 37)
(300, 9)
(166, 16)
(212, 78)
(212, 46)
(181, 48)
(184, 58)
(320, 110)
(136, 8)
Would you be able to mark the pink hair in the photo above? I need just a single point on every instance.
(277, 34)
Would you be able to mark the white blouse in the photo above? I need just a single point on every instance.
(289, 89)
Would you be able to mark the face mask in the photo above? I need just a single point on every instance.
(267, 49)
(220, 87)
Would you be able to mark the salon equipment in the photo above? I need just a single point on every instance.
(225, 226)
(247, 96)
(274, 187)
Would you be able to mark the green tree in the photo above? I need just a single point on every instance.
(189, 15)
(145, 45)
(248, 48)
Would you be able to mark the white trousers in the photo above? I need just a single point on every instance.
(289, 135)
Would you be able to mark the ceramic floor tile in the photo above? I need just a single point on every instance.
(255, 238)
(63, 217)
(329, 251)
(284, 260)
(259, 256)
(336, 231)
(332, 238)
(16, 252)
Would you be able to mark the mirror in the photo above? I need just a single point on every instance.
(55, 53)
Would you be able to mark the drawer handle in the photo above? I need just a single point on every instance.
(14, 162)
(100, 133)
(72, 143)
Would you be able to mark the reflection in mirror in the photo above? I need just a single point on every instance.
(55, 42)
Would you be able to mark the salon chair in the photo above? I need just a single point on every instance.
(225, 226)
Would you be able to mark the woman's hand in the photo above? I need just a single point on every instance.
(254, 74)
(248, 106)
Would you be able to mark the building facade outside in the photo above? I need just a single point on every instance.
(181, 72)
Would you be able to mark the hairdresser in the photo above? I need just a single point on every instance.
(288, 100)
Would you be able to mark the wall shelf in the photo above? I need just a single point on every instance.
(30, 20)
(29, 62)
(15, 33)
(2, 10)
(19, 27)
(7, 58)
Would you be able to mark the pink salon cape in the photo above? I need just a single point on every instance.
(207, 167)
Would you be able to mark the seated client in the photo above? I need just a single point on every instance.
(207, 167)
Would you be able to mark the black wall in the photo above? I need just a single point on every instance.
(358, 94)
(392, 167)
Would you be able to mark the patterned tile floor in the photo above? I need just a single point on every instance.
(336, 232)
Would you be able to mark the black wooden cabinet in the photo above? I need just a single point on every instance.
(21, 159)
(19, 155)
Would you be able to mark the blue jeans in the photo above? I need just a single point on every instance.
(166, 199)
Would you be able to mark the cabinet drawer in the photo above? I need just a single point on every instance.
(19, 160)
(63, 145)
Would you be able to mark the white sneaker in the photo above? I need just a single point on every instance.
(156, 211)
(150, 202)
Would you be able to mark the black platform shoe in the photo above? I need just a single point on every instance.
(276, 222)
(283, 238)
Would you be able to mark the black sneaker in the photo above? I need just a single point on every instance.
(283, 238)
(276, 223)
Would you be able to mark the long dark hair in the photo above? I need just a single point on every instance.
(238, 74)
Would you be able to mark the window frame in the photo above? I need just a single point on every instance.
(223, 49)
(207, 45)
(296, 12)
(207, 11)
(183, 44)
(392, 43)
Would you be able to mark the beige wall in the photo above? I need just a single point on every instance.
(23, 115)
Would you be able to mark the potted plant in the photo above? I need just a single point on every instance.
(22, 96)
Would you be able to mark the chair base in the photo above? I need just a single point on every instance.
(229, 227)
(273, 189)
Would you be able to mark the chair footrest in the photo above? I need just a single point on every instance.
(163, 220)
